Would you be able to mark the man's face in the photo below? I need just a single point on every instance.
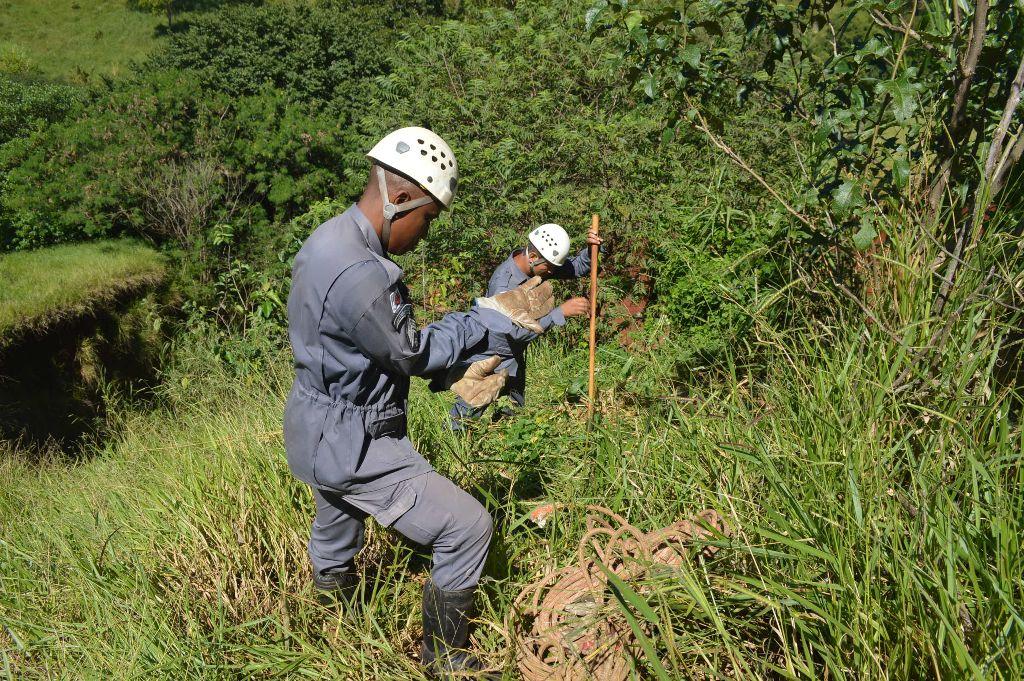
(542, 268)
(408, 228)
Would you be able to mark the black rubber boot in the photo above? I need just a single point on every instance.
(446, 617)
(336, 587)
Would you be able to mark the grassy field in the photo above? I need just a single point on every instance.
(877, 523)
(40, 287)
(63, 37)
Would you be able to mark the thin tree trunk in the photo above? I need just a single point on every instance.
(1003, 171)
(996, 150)
(966, 77)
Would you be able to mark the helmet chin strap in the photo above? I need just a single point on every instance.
(390, 210)
(533, 262)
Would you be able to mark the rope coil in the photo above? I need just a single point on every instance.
(569, 631)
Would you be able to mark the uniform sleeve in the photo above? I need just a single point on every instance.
(575, 267)
(500, 326)
(377, 317)
(500, 282)
(553, 318)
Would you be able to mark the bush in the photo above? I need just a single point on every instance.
(96, 175)
(312, 53)
(27, 106)
(546, 131)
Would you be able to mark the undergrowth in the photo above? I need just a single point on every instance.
(871, 479)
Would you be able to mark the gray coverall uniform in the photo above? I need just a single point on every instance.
(355, 345)
(505, 278)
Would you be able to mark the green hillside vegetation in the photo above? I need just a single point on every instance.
(39, 288)
(810, 321)
(871, 535)
(65, 39)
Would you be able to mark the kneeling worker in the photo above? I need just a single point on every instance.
(546, 255)
(355, 345)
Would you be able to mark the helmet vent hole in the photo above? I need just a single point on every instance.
(442, 155)
(434, 159)
(432, 147)
(442, 166)
(420, 141)
(423, 152)
(429, 178)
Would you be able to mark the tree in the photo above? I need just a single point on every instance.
(882, 86)
(169, 7)
(914, 102)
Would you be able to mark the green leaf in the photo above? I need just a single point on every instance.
(691, 55)
(846, 197)
(862, 240)
(900, 172)
(594, 12)
(873, 48)
(634, 19)
(625, 595)
(902, 91)
(650, 85)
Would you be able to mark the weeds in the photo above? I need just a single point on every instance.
(877, 521)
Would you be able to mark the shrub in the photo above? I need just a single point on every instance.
(546, 131)
(27, 106)
(95, 175)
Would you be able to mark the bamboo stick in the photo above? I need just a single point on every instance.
(594, 222)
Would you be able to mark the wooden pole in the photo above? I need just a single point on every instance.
(594, 222)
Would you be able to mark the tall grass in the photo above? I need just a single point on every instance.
(870, 469)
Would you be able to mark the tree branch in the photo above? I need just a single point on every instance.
(702, 125)
(969, 65)
(996, 149)
(1014, 155)
(966, 77)
(906, 30)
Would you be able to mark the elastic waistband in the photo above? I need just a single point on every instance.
(325, 400)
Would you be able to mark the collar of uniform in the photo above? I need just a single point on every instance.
(515, 275)
(372, 240)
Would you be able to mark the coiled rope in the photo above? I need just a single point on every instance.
(567, 631)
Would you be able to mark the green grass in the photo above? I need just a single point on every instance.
(878, 523)
(63, 37)
(38, 288)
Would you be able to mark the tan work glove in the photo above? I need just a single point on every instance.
(480, 386)
(524, 304)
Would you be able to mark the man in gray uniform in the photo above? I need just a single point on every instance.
(545, 256)
(355, 344)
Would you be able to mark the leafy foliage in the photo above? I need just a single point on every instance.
(89, 176)
(869, 80)
(28, 106)
(481, 80)
(312, 53)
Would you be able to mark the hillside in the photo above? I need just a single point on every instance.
(41, 288)
(810, 315)
(63, 38)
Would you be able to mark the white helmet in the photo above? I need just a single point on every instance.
(552, 242)
(423, 156)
